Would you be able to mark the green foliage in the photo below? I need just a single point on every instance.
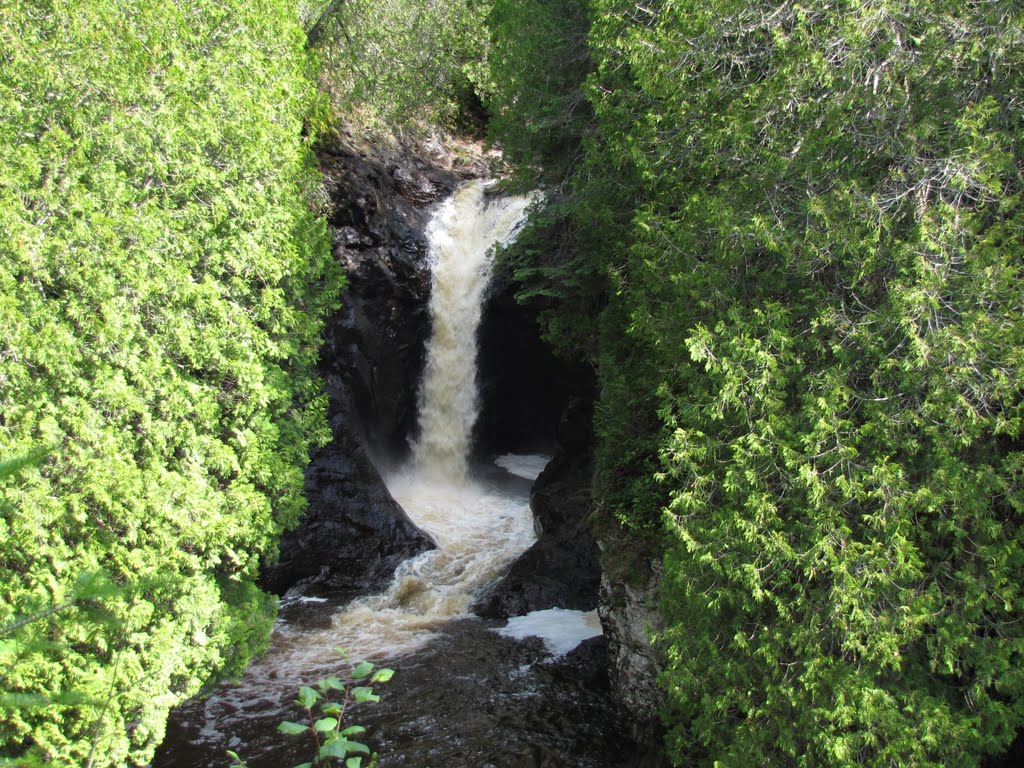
(161, 283)
(402, 64)
(537, 62)
(325, 708)
(811, 371)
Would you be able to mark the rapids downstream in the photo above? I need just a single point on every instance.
(467, 692)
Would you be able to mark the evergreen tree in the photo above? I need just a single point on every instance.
(810, 366)
(162, 279)
(403, 65)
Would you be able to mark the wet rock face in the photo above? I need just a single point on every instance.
(561, 569)
(373, 352)
(469, 699)
(354, 534)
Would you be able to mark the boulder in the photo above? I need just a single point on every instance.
(353, 535)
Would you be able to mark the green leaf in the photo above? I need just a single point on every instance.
(171, 382)
(307, 697)
(353, 730)
(355, 746)
(362, 694)
(336, 747)
(331, 683)
(354, 762)
(332, 708)
(326, 724)
(361, 670)
(382, 675)
(287, 726)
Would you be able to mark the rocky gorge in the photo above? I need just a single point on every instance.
(355, 533)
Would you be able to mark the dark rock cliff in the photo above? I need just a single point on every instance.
(373, 351)
(354, 533)
(561, 569)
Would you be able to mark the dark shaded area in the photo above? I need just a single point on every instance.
(561, 569)
(1012, 758)
(470, 699)
(524, 388)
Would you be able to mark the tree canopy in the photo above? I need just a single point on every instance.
(401, 65)
(810, 353)
(162, 279)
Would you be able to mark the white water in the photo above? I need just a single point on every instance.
(478, 531)
(559, 628)
(461, 236)
(528, 465)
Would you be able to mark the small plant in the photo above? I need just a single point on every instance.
(325, 710)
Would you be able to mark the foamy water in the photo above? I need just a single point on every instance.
(560, 629)
(461, 235)
(478, 533)
(528, 465)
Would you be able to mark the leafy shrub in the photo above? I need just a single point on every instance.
(161, 282)
(810, 363)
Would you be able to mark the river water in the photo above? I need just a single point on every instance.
(466, 692)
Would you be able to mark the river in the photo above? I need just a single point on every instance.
(467, 692)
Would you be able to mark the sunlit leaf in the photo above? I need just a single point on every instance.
(336, 747)
(291, 728)
(362, 694)
(326, 724)
(307, 696)
(331, 683)
(361, 670)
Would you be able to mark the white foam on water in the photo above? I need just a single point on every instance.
(528, 465)
(560, 629)
(478, 532)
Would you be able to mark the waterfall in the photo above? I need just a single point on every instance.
(478, 530)
(461, 236)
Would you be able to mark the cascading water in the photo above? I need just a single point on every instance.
(461, 236)
(479, 530)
